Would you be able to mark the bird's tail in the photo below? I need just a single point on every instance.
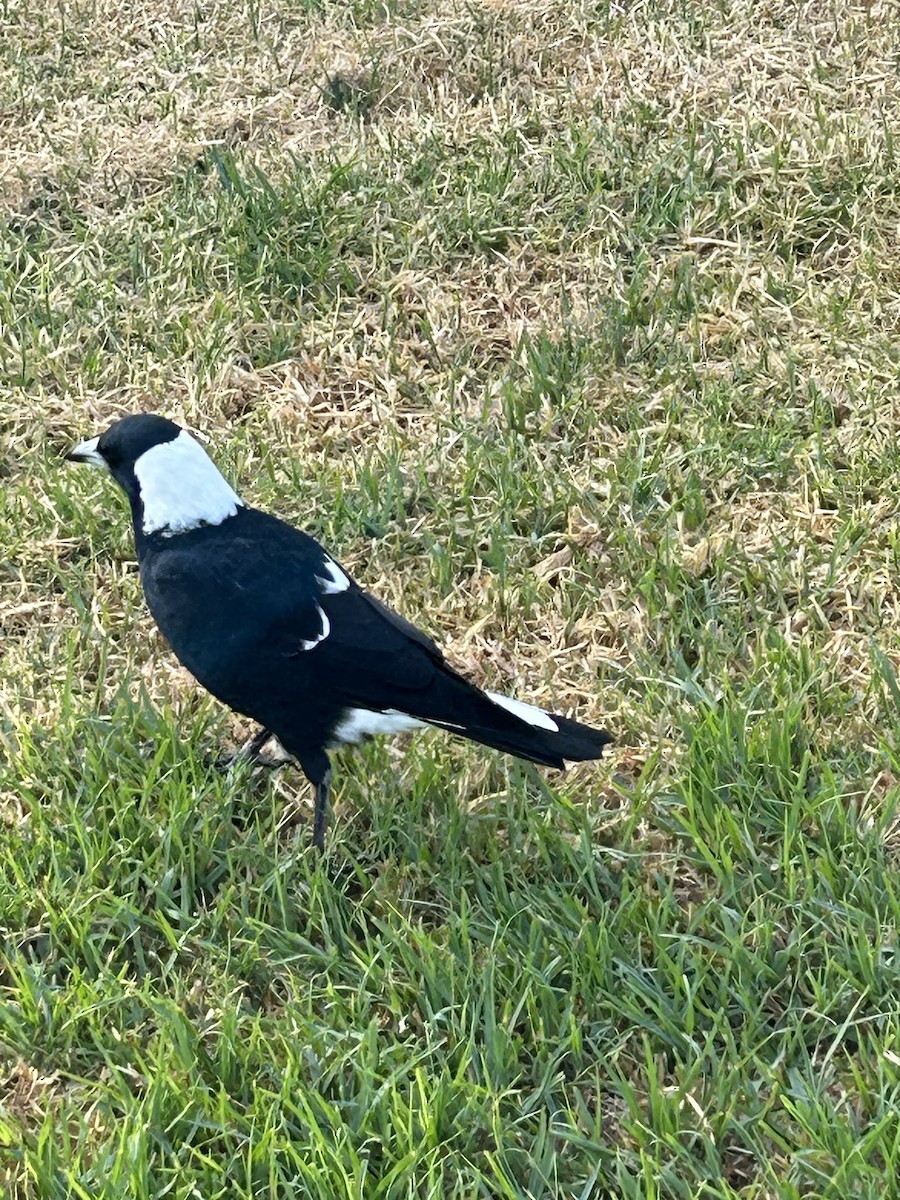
(517, 728)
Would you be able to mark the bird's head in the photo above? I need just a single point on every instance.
(172, 483)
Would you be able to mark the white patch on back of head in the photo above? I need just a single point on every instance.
(181, 488)
(525, 712)
(337, 581)
(311, 643)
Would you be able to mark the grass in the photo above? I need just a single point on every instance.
(571, 329)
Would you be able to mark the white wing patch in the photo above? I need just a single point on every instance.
(337, 581)
(181, 488)
(446, 724)
(525, 712)
(311, 643)
(359, 723)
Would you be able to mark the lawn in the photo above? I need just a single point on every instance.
(572, 329)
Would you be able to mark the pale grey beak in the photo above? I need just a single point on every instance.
(86, 452)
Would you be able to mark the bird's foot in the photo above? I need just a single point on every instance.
(251, 752)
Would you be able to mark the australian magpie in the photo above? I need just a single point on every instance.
(273, 626)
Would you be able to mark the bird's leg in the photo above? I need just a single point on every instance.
(251, 752)
(252, 748)
(320, 814)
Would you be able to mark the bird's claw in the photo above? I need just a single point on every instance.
(251, 752)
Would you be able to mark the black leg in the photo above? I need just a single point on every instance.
(251, 752)
(255, 745)
(320, 815)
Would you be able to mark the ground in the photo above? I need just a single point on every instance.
(572, 329)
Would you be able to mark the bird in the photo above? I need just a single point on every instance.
(273, 626)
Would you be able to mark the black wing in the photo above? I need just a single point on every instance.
(224, 596)
(372, 657)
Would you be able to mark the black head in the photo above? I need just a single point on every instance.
(172, 484)
(120, 446)
(125, 441)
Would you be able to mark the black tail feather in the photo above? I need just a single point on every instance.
(538, 736)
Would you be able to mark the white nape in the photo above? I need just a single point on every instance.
(359, 723)
(311, 643)
(181, 488)
(525, 712)
(337, 581)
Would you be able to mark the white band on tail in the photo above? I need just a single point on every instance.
(525, 712)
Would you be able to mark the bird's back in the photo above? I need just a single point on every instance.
(220, 594)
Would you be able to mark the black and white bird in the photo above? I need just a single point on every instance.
(274, 627)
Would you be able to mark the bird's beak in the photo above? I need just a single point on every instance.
(86, 452)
